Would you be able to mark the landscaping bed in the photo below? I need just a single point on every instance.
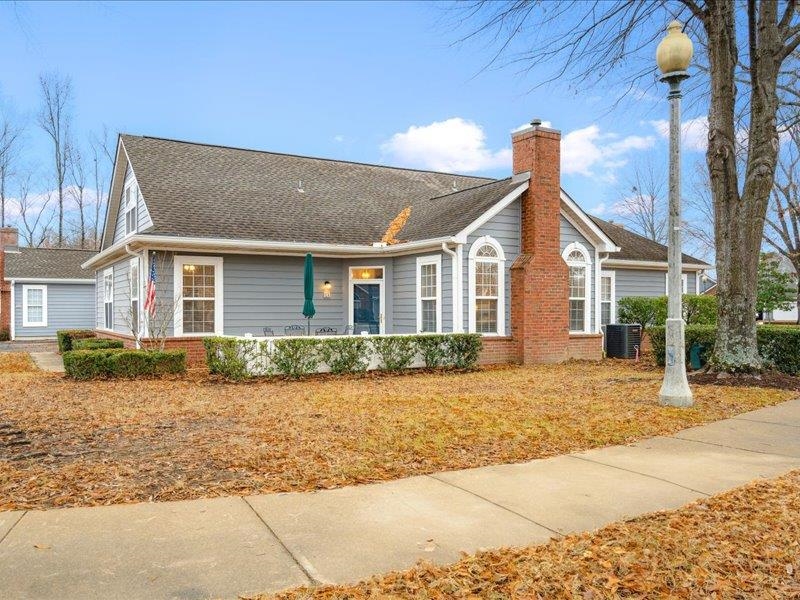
(115, 441)
(740, 544)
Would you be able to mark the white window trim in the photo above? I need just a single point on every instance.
(351, 280)
(216, 262)
(26, 322)
(106, 273)
(435, 259)
(501, 283)
(684, 280)
(136, 262)
(587, 300)
(131, 203)
(613, 276)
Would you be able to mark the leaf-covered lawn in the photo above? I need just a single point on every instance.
(738, 545)
(107, 442)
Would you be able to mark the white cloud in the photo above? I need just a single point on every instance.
(592, 153)
(338, 138)
(547, 124)
(452, 145)
(694, 133)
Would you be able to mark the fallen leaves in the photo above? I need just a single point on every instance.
(110, 442)
(737, 545)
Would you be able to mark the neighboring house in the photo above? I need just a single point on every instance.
(44, 290)
(783, 316)
(395, 250)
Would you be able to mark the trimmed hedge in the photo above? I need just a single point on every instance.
(242, 358)
(96, 344)
(66, 338)
(121, 363)
(651, 311)
(778, 346)
(5, 335)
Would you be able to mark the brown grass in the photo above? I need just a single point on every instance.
(738, 545)
(109, 442)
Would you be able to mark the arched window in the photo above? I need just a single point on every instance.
(580, 285)
(487, 287)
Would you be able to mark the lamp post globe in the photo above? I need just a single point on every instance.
(673, 56)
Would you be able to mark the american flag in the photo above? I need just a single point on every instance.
(150, 296)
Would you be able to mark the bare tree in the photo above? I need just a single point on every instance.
(699, 227)
(77, 190)
(102, 161)
(35, 215)
(643, 203)
(783, 217)
(10, 137)
(55, 118)
(746, 51)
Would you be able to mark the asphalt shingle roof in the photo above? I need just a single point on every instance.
(195, 190)
(636, 247)
(47, 263)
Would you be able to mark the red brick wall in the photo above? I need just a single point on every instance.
(499, 351)
(195, 352)
(539, 282)
(585, 346)
(8, 237)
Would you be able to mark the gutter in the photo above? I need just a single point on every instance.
(456, 257)
(224, 245)
(12, 320)
(647, 264)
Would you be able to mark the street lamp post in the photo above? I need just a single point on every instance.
(673, 56)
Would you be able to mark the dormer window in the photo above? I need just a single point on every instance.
(131, 216)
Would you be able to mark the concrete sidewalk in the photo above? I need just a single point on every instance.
(229, 546)
(48, 361)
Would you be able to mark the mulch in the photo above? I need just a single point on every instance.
(767, 379)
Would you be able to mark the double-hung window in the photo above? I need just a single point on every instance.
(34, 306)
(131, 217)
(429, 294)
(607, 294)
(133, 276)
(108, 298)
(684, 283)
(577, 258)
(487, 287)
(198, 295)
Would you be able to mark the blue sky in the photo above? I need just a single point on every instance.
(379, 82)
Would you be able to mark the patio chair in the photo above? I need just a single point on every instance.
(326, 331)
(294, 330)
(348, 330)
(268, 332)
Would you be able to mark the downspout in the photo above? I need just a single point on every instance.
(455, 262)
(13, 315)
(601, 259)
(130, 252)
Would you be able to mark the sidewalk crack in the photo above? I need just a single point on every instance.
(10, 529)
(306, 569)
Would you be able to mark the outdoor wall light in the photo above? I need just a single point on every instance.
(326, 289)
(365, 274)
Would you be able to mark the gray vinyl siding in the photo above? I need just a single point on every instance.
(505, 228)
(569, 234)
(447, 293)
(642, 282)
(142, 215)
(69, 306)
(405, 295)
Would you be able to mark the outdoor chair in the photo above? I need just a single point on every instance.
(268, 332)
(348, 330)
(294, 330)
(326, 331)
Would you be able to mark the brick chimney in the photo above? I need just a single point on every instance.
(9, 238)
(539, 276)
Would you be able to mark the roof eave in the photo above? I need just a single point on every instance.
(653, 264)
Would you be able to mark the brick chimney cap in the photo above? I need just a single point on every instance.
(536, 122)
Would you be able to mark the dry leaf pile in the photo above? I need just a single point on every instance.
(738, 545)
(108, 442)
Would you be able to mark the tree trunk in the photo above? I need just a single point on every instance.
(739, 218)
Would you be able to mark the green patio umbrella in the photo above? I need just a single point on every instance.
(308, 290)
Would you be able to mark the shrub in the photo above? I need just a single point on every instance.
(700, 310)
(5, 335)
(65, 338)
(295, 357)
(780, 347)
(433, 349)
(345, 355)
(236, 358)
(705, 335)
(395, 352)
(646, 311)
(122, 363)
(462, 350)
(95, 344)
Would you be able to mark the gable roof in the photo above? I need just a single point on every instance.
(636, 247)
(47, 263)
(199, 190)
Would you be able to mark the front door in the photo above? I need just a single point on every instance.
(366, 300)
